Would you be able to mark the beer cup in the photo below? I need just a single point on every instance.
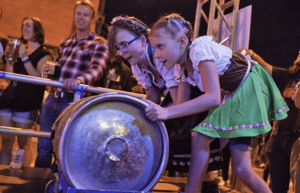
(12, 52)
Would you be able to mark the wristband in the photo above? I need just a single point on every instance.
(25, 60)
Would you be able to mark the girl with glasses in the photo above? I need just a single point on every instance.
(129, 38)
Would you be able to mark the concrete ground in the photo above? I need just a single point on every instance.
(172, 184)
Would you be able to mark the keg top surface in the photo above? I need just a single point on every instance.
(109, 144)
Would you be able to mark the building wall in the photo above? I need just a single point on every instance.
(56, 17)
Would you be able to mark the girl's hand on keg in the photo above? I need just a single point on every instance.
(155, 112)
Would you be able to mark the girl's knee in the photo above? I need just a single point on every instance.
(199, 136)
(200, 141)
(242, 170)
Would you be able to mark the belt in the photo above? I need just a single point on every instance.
(58, 94)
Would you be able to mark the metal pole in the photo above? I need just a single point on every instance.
(49, 82)
(198, 17)
(210, 28)
(24, 132)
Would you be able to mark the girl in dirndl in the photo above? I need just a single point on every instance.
(240, 95)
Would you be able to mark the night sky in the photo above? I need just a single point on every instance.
(275, 24)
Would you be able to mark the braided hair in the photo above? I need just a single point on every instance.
(131, 24)
(174, 24)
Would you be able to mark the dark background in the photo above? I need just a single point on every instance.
(275, 24)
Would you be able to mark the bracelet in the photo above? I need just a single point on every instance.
(25, 60)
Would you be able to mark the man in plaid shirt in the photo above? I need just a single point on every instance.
(82, 58)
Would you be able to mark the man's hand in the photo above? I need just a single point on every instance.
(70, 84)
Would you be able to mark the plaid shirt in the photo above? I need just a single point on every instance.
(84, 59)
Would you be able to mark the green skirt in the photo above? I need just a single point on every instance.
(249, 111)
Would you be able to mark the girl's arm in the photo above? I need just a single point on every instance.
(211, 98)
(183, 93)
(173, 92)
(31, 70)
(153, 94)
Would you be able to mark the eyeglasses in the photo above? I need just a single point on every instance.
(124, 47)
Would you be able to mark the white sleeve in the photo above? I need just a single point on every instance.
(203, 48)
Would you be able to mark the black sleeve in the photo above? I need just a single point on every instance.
(281, 77)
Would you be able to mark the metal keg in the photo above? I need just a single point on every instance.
(106, 142)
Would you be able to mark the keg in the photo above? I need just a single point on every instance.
(106, 142)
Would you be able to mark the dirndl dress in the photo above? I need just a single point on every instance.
(252, 98)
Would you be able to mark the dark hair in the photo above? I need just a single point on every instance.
(173, 24)
(38, 31)
(131, 24)
(87, 3)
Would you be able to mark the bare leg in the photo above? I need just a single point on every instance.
(199, 161)
(7, 142)
(23, 142)
(241, 166)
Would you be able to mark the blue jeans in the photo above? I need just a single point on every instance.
(51, 109)
(279, 151)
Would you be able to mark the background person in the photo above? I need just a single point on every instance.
(82, 58)
(285, 132)
(23, 112)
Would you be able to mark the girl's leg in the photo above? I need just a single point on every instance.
(241, 166)
(199, 161)
(23, 142)
(7, 142)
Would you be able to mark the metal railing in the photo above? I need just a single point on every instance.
(48, 82)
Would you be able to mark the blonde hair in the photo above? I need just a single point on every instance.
(174, 24)
(86, 3)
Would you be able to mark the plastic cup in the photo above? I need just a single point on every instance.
(54, 67)
(17, 158)
(12, 52)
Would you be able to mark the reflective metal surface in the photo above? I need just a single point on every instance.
(106, 142)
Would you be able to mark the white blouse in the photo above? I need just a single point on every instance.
(146, 79)
(203, 48)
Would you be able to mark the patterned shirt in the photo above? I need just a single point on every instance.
(84, 59)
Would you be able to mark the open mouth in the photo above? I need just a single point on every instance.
(80, 22)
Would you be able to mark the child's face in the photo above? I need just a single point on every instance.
(134, 52)
(167, 48)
